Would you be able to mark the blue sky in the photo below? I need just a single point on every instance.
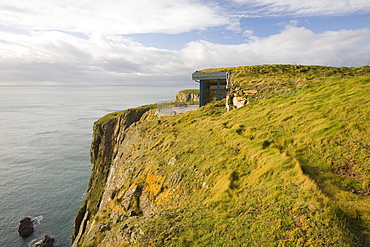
(163, 41)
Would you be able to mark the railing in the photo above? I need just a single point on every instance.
(169, 108)
(164, 108)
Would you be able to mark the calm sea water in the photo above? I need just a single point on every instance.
(45, 136)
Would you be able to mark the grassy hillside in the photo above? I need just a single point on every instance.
(292, 168)
(270, 80)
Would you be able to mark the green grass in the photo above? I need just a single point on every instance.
(194, 91)
(292, 168)
(115, 115)
(182, 96)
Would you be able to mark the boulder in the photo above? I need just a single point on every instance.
(46, 242)
(26, 227)
(239, 102)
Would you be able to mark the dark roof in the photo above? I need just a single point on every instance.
(210, 76)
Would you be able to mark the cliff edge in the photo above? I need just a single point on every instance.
(189, 95)
(290, 168)
(108, 133)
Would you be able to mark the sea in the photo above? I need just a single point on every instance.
(45, 137)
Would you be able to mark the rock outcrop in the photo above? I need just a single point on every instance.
(47, 241)
(109, 132)
(26, 227)
(189, 95)
(127, 188)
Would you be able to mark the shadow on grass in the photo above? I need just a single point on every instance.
(354, 223)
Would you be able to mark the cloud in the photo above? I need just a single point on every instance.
(304, 7)
(85, 42)
(57, 57)
(249, 34)
(293, 45)
(113, 17)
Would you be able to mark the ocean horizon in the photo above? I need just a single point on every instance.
(45, 139)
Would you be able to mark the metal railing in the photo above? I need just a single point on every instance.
(169, 108)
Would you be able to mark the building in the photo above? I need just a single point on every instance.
(212, 86)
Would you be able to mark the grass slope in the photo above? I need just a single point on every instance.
(292, 168)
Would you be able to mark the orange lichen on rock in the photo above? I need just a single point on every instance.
(154, 186)
(165, 196)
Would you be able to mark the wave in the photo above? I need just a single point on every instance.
(47, 132)
(38, 234)
(37, 219)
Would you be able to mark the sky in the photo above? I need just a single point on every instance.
(162, 42)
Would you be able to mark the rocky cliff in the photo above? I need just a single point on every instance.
(189, 95)
(288, 169)
(108, 133)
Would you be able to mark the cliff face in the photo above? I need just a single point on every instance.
(189, 95)
(108, 133)
(291, 169)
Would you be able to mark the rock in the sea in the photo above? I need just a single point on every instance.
(46, 242)
(26, 227)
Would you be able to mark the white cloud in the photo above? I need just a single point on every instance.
(248, 33)
(306, 7)
(84, 41)
(112, 17)
(56, 57)
(293, 23)
(292, 45)
(45, 57)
